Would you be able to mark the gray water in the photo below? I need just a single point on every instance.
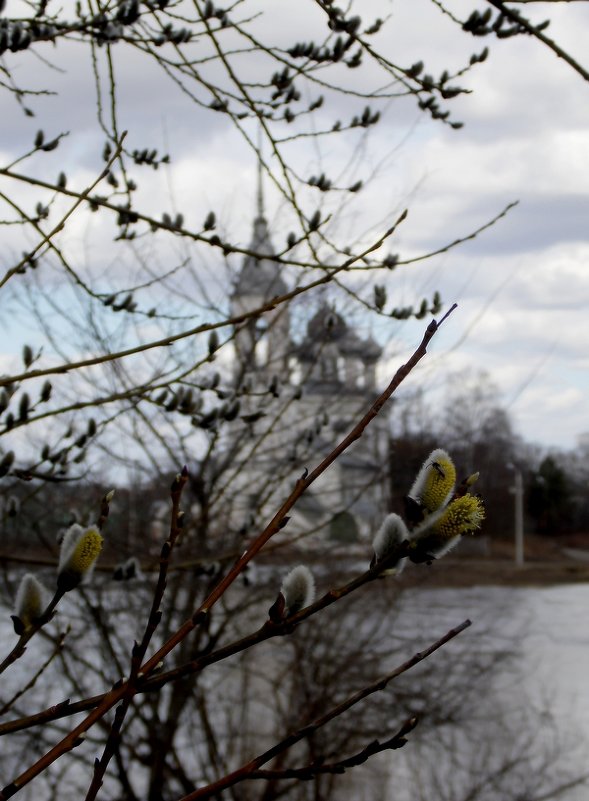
(533, 710)
(530, 709)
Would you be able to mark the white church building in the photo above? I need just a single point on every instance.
(308, 383)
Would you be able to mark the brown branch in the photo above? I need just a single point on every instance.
(246, 771)
(515, 16)
(462, 239)
(317, 768)
(21, 646)
(199, 329)
(118, 691)
(266, 632)
(139, 649)
(31, 683)
(46, 238)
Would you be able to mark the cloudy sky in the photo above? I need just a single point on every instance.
(522, 286)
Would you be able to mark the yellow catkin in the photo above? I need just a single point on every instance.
(432, 540)
(86, 552)
(462, 516)
(438, 481)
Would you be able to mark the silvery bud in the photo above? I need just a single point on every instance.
(31, 601)
(297, 592)
(80, 548)
(388, 541)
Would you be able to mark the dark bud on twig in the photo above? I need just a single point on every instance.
(415, 69)
(19, 627)
(213, 343)
(23, 407)
(208, 420)
(210, 221)
(6, 463)
(214, 380)
(39, 138)
(232, 411)
(126, 571)
(253, 418)
(380, 296)
(45, 392)
(274, 387)
(172, 404)
(50, 145)
(27, 355)
(315, 221)
(276, 611)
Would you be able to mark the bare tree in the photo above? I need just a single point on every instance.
(121, 346)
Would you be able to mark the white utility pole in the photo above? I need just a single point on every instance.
(518, 493)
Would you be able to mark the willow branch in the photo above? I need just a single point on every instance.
(246, 771)
(118, 691)
(46, 238)
(67, 367)
(515, 16)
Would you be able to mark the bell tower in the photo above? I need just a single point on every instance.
(262, 343)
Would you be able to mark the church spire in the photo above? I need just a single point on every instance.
(260, 193)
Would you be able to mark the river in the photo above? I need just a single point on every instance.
(518, 723)
(527, 734)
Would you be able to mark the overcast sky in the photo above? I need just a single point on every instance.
(522, 286)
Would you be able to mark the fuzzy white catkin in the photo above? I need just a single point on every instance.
(30, 600)
(298, 589)
(68, 543)
(389, 536)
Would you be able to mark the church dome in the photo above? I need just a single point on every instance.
(328, 326)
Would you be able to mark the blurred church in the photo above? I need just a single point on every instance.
(305, 390)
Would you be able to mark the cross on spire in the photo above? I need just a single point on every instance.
(260, 194)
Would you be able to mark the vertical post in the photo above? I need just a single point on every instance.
(518, 491)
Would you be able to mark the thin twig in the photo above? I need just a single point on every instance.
(515, 16)
(118, 691)
(230, 321)
(245, 771)
(46, 238)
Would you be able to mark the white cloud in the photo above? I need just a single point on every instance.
(522, 287)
